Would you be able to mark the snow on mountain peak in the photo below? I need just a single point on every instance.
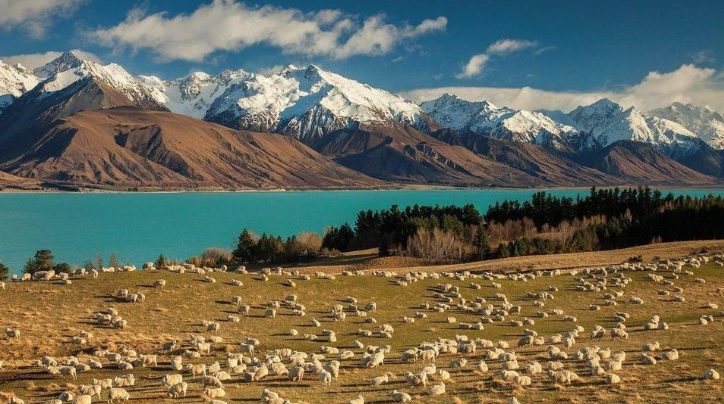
(485, 118)
(606, 122)
(66, 61)
(14, 82)
(702, 121)
(307, 102)
(192, 95)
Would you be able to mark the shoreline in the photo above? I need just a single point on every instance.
(718, 187)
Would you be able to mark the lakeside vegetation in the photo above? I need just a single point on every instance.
(604, 219)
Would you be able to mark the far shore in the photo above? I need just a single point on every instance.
(394, 187)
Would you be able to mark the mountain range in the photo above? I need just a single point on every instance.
(78, 123)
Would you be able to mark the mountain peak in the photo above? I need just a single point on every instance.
(606, 103)
(66, 61)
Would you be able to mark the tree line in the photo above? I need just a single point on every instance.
(546, 224)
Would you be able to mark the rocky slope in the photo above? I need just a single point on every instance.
(534, 160)
(637, 162)
(401, 153)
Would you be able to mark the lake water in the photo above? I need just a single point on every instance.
(137, 227)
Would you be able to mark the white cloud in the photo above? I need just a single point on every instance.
(474, 66)
(510, 45)
(33, 15)
(33, 60)
(267, 71)
(687, 84)
(228, 25)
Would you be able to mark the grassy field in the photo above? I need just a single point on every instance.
(49, 315)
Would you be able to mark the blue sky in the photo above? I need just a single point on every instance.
(555, 46)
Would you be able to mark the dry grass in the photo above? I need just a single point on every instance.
(367, 259)
(49, 315)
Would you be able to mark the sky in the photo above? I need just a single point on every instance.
(523, 54)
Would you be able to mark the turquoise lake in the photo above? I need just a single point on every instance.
(137, 227)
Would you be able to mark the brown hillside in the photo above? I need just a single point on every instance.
(639, 162)
(133, 147)
(404, 154)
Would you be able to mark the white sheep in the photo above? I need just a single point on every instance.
(118, 394)
(177, 390)
(212, 393)
(711, 374)
(324, 376)
(92, 390)
(437, 389)
(171, 379)
(400, 397)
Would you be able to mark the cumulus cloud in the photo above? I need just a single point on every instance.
(34, 15)
(33, 60)
(228, 25)
(510, 45)
(474, 67)
(687, 84)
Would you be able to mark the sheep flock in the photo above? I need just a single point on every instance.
(628, 332)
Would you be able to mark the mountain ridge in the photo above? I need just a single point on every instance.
(372, 132)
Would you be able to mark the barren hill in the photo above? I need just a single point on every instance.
(131, 147)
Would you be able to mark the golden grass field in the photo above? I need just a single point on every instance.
(50, 314)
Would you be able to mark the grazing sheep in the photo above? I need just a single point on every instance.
(103, 383)
(196, 370)
(296, 374)
(171, 380)
(670, 355)
(83, 399)
(213, 327)
(400, 397)
(563, 376)
(212, 393)
(437, 389)
(211, 381)
(177, 363)
(177, 390)
(613, 379)
(12, 333)
(711, 374)
(118, 394)
(92, 390)
(324, 376)
(647, 360)
(522, 380)
(380, 380)
(458, 363)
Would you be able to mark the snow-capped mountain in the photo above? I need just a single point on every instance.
(484, 118)
(74, 85)
(14, 82)
(68, 69)
(605, 122)
(192, 95)
(308, 103)
(707, 124)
